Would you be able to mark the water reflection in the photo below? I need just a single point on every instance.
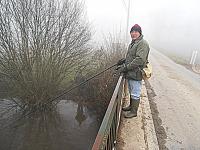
(71, 126)
(80, 116)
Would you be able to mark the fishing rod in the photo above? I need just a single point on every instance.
(63, 93)
(82, 83)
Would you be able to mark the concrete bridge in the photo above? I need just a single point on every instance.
(169, 112)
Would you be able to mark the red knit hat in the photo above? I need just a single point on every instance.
(136, 27)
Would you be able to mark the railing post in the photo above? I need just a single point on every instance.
(107, 134)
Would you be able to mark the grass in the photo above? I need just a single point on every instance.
(177, 59)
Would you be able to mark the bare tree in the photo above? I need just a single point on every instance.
(41, 42)
(100, 89)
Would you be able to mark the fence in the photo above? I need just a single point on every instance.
(107, 135)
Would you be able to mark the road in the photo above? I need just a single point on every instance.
(178, 102)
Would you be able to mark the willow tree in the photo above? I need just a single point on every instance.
(41, 41)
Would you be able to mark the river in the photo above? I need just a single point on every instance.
(73, 126)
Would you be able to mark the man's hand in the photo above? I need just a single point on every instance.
(122, 68)
(121, 61)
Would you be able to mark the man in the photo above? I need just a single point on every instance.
(131, 66)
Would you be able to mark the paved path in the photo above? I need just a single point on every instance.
(138, 133)
(178, 102)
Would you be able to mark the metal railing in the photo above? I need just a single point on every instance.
(107, 135)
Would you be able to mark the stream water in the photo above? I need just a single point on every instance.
(71, 127)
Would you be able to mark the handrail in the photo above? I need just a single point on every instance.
(107, 134)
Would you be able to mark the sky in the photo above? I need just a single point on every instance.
(106, 16)
(170, 25)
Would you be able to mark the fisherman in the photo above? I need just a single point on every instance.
(136, 59)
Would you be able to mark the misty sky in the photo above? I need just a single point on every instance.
(171, 25)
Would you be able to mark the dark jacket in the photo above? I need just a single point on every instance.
(136, 58)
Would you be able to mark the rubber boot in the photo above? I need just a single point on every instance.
(134, 108)
(128, 108)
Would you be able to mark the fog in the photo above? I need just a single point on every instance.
(171, 26)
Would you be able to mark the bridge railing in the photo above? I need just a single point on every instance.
(107, 134)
